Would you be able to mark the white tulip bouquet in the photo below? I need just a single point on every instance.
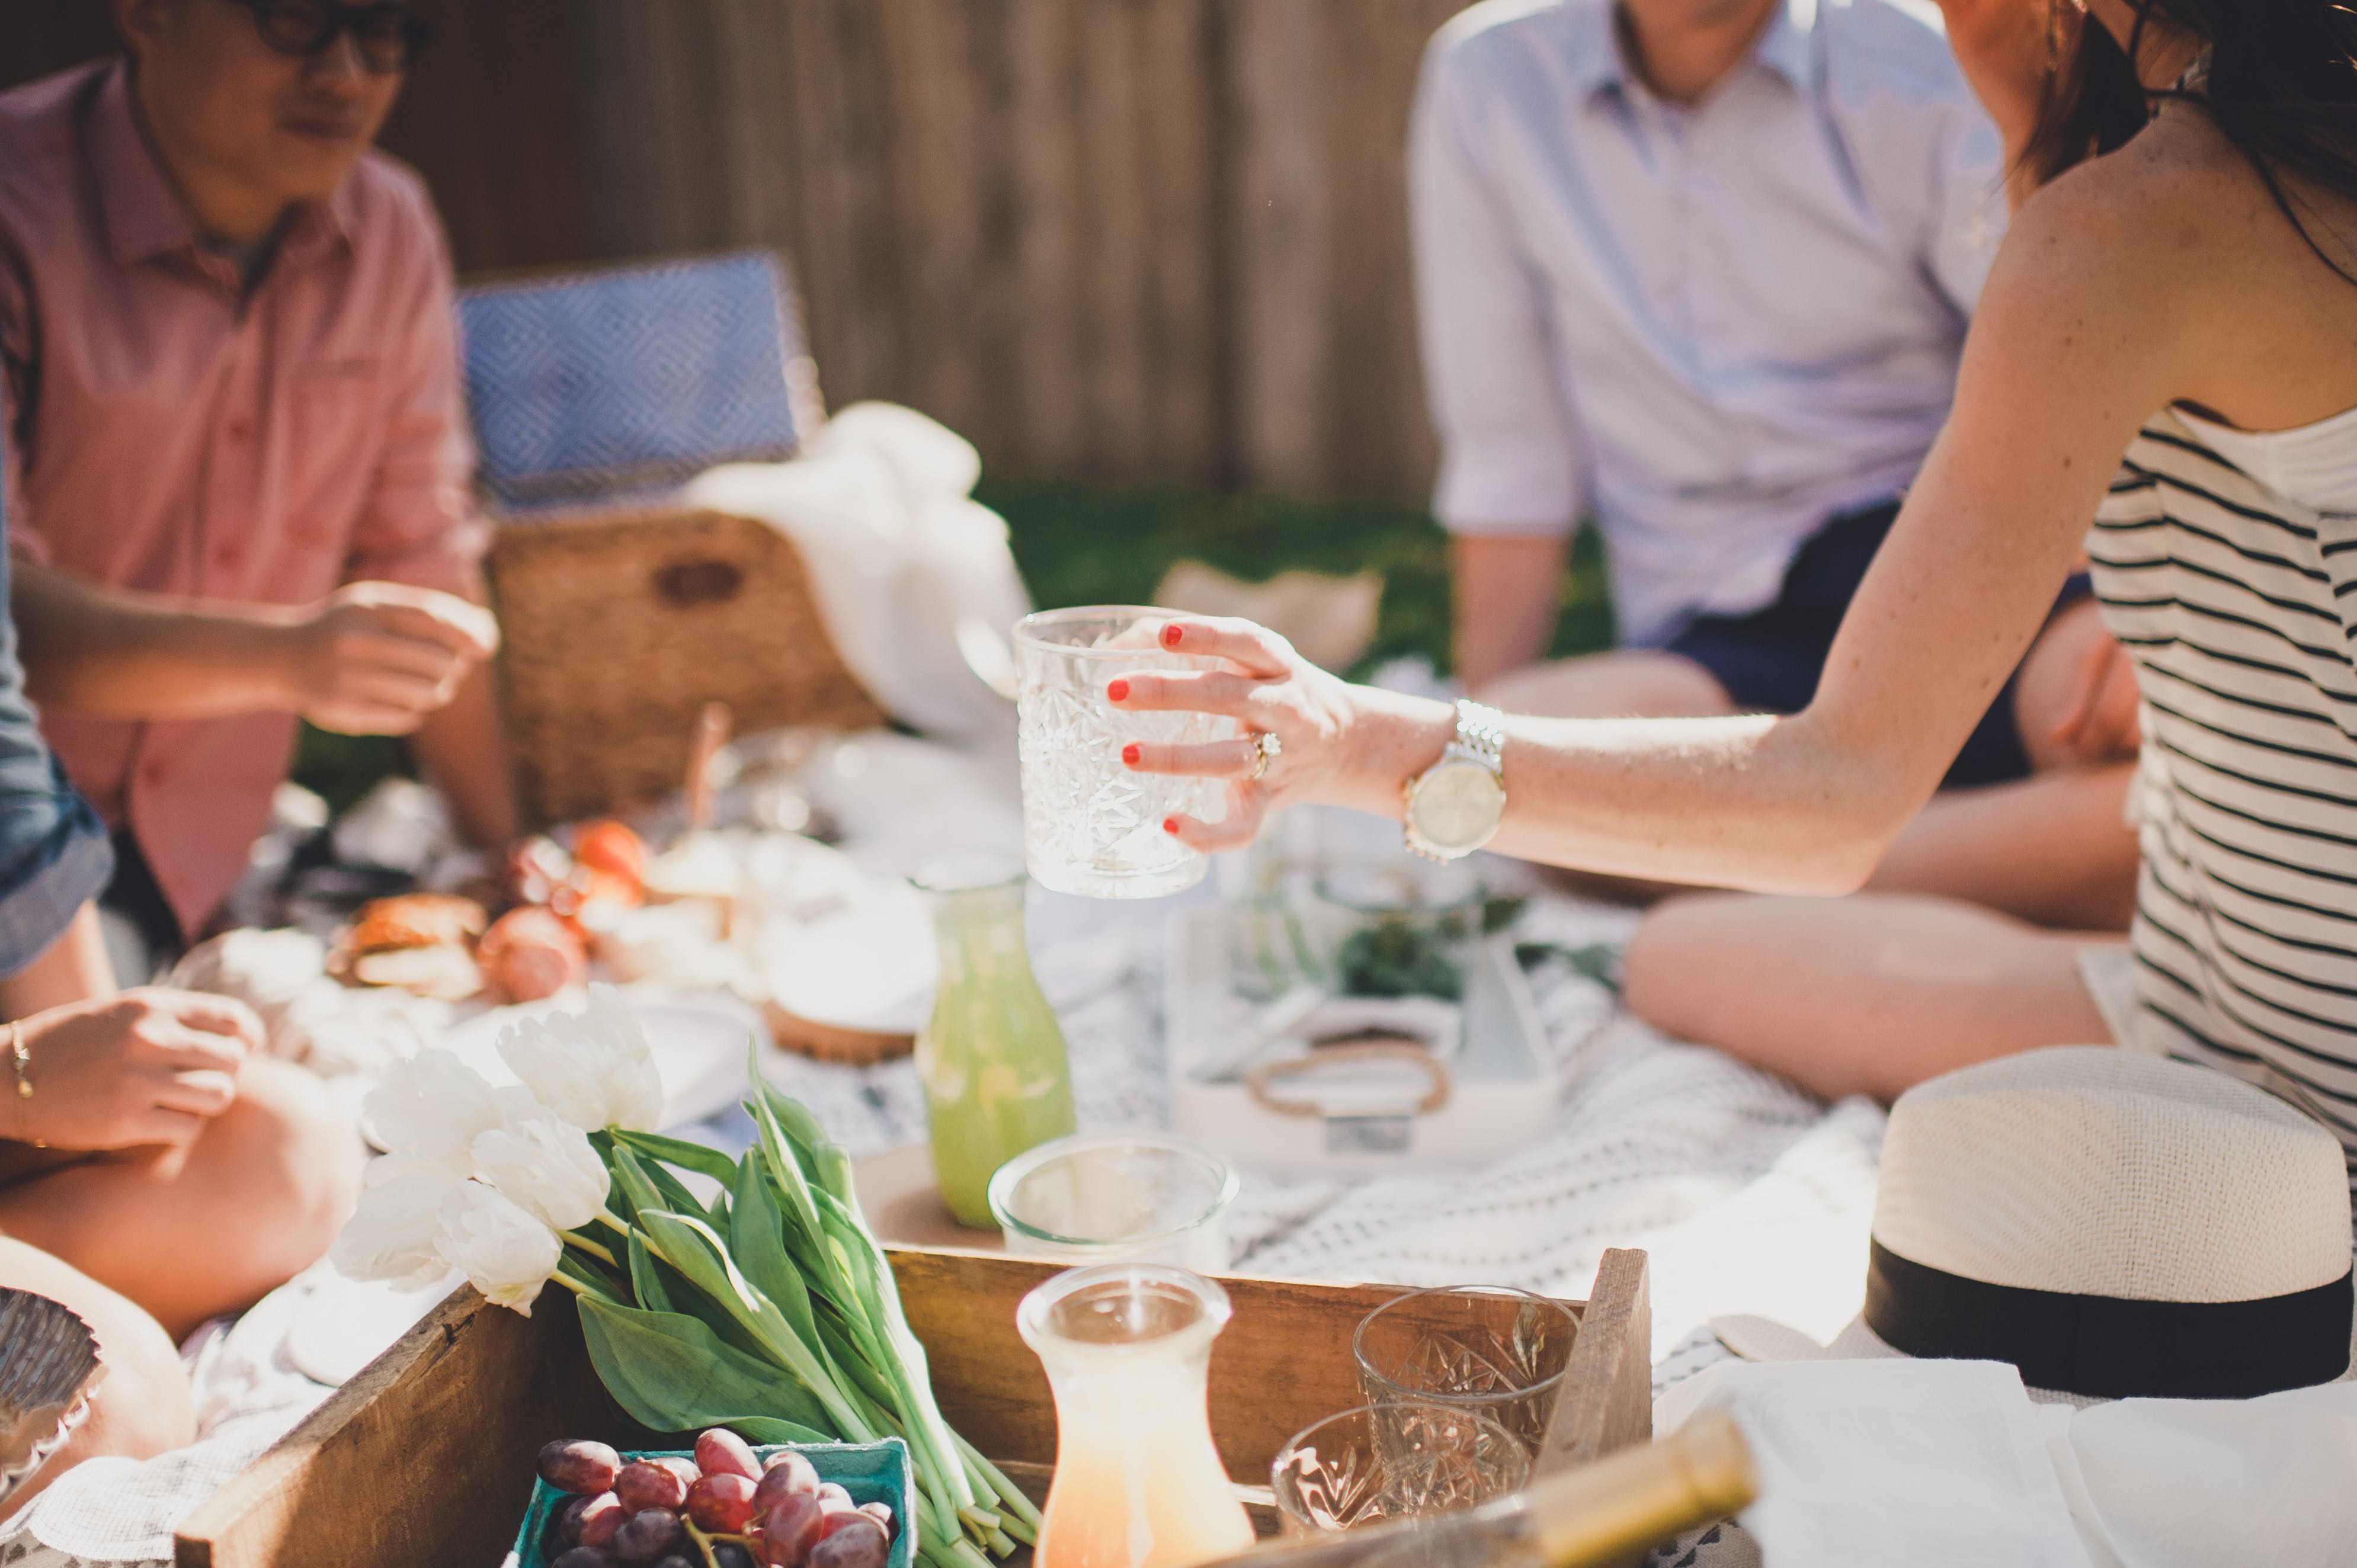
(770, 1309)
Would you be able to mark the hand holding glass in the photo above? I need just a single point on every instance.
(1090, 826)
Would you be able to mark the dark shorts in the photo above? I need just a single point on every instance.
(1769, 660)
(135, 898)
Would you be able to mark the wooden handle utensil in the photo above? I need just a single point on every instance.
(712, 727)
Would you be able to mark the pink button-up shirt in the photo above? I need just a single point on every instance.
(171, 432)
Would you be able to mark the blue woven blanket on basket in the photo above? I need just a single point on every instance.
(631, 378)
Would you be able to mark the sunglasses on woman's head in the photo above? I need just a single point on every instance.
(387, 35)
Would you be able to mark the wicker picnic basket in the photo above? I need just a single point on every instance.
(621, 627)
(622, 619)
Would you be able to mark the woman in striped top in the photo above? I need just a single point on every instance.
(2179, 286)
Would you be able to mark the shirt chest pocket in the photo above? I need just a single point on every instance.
(332, 423)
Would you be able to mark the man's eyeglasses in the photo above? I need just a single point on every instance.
(387, 35)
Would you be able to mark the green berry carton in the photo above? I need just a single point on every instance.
(870, 1472)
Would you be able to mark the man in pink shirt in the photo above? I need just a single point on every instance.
(238, 490)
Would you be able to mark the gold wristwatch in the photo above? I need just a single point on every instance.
(1455, 805)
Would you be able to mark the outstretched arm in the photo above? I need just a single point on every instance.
(2075, 342)
(370, 658)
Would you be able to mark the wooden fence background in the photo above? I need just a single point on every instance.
(1123, 242)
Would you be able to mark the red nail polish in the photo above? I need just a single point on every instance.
(1171, 637)
(1170, 825)
(1118, 690)
(1130, 754)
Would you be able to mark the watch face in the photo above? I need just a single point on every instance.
(1458, 804)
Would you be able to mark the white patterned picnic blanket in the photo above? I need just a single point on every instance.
(1749, 1196)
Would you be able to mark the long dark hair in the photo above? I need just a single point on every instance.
(2281, 84)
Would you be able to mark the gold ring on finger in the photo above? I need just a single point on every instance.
(1266, 748)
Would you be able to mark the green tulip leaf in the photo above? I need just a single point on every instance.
(671, 1373)
(756, 1237)
(630, 1180)
(700, 1158)
(645, 1282)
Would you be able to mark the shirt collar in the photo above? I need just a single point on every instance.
(317, 228)
(144, 215)
(1787, 47)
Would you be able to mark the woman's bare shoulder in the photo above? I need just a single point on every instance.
(2179, 185)
(2179, 206)
(2112, 281)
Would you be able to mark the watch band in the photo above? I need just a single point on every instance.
(1481, 731)
(1481, 739)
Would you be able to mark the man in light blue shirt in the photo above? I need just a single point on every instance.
(1701, 269)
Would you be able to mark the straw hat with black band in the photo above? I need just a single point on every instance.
(2113, 1224)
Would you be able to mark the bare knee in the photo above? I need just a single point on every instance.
(143, 1406)
(190, 1233)
(285, 1149)
(276, 1175)
(1679, 939)
(1628, 684)
(1869, 994)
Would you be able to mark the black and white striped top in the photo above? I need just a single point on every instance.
(2239, 604)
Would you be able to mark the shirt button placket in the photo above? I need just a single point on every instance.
(234, 465)
(1703, 218)
(1676, 122)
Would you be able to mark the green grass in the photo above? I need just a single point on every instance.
(1083, 546)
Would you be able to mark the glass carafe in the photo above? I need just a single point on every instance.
(1139, 1483)
(992, 1058)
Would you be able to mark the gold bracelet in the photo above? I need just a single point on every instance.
(21, 1057)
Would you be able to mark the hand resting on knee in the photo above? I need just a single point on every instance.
(144, 1067)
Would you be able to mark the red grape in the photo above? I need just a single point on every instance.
(788, 1475)
(721, 1504)
(880, 1512)
(643, 1486)
(728, 1554)
(789, 1530)
(679, 1464)
(571, 1464)
(585, 1557)
(720, 1452)
(861, 1546)
(840, 1519)
(647, 1535)
(602, 1516)
(834, 1499)
(564, 1525)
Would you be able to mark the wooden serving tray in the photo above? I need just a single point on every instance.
(426, 1457)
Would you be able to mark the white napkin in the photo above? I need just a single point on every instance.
(2189, 1483)
(1944, 1464)
(900, 553)
(1864, 1463)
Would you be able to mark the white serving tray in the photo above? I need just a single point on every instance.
(1503, 1094)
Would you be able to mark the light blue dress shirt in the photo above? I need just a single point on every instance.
(1711, 328)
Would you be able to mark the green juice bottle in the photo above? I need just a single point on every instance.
(997, 1078)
